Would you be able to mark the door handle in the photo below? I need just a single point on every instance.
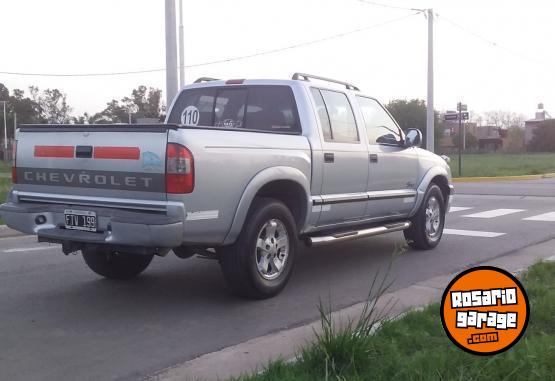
(373, 157)
(329, 157)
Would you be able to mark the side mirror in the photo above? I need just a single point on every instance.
(413, 137)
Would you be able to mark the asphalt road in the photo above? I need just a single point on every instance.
(60, 321)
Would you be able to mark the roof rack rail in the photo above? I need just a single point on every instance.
(206, 79)
(306, 77)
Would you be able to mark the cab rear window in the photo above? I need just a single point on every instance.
(257, 108)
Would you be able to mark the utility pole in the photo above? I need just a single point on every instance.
(461, 136)
(171, 53)
(430, 97)
(181, 47)
(5, 133)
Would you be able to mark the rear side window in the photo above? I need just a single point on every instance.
(338, 115)
(259, 108)
(322, 113)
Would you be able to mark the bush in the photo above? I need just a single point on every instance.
(470, 141)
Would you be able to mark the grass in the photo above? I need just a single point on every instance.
(499, 164)
(5, 185)
(5, 166)
(415, 347)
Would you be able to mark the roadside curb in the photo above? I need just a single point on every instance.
(253, 355)
(502, 178)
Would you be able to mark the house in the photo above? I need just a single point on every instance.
(489, 138)
(531, 124)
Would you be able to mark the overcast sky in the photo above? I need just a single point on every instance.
(387, 61)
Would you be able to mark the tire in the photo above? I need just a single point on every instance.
(424, 236)
(116, 265)
(251, 267)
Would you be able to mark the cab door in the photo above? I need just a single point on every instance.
(345, 170)
(393, 167)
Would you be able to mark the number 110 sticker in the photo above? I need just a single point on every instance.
(190, 116)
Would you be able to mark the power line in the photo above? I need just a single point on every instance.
(223, 60)
(307, 43)
(488, 41)
(459, 26)
(369, 2)
(80, 75)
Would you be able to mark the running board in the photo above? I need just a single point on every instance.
(356, 234)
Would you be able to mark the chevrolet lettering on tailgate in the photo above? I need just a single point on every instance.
(92, 179)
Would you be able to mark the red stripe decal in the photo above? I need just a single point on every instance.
(126, 153)
(54, 151)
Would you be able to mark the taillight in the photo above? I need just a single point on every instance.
(14, 166)
(180, 169)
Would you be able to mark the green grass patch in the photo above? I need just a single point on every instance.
(5, 185)
(415, 347)
(503, 164)
(5, 166)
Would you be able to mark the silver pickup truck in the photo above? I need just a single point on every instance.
(242, 171)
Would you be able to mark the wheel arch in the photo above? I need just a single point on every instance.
(437, 175)
(286, 184)
(443, 184)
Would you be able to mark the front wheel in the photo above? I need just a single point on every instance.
(116, 265)
(427, 224)
(260, 263)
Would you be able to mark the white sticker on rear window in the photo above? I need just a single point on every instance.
(190, 116)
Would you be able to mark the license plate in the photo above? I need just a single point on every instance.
(80, 220)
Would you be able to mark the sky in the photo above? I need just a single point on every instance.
(490, 54)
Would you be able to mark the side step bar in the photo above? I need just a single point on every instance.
(356, 234)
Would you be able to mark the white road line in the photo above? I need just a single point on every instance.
(472, 233)
(36, 248)
(459, 208)
(494, 213)
(542, 217)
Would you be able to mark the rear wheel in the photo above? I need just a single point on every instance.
(427, 224)
(260, 263)
(116, 265)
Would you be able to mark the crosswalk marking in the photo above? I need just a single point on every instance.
(459, 208)
(494, 213)
(542, 217)
(472, 233)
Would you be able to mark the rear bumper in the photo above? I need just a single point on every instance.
(115, 227)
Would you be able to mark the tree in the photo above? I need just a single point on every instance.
(81, 119)
(515, 140)
(413, 114)
(470, 141)
(113, 113)
(26, 109)
(143, 103)
(4, 92)
(147, 102)
(543, 139)
(53, 105)
(504, 119)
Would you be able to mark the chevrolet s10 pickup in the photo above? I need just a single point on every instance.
(243, 171)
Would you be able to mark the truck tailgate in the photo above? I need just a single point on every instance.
(116, 162)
